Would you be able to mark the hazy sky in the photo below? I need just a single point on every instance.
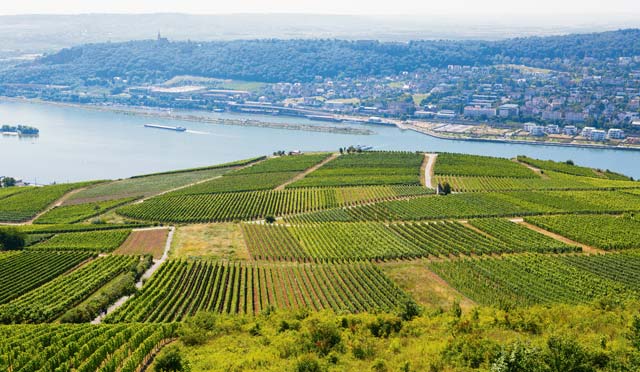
(414, 7)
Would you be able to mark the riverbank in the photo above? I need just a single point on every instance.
(159, 113)
(512, 141)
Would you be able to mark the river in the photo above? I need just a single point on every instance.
(78, 144)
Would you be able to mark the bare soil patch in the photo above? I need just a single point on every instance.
(145, 242)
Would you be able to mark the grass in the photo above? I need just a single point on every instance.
(221, 241)
(423, 285)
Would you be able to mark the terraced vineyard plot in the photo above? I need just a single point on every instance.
(601, 231)
(551, 181)
(348, 196)
(230, 206)
(101, 241)
(25, 205)
(445, 238)
(519, 237)
(78, 212)
(64, 228)
(482, 205)
(273, 242)
(367, 168)
(525, 280)
(619, 267)
(8, 191)
(22, 272)
(142, 186)
(483, 166)
(49, 301)
(363, 240)
(182, 288)
(237, 183)
(291, 163)
(145, 242)
(576, 170)
(81, 348)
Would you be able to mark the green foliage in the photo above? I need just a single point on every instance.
(308, 363)
(518, 357)
(569, 167)
(322, 336)
(12, 239)
(170, 360)
(566, 355)
(79, 347)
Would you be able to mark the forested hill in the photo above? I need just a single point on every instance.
(302, 60)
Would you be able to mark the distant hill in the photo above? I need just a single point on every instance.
(47, 33)
(275, 60)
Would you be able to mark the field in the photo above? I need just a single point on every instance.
(78, 212)
(605, 232)
(369, 168)
(183, 288)
(143, 242)
(24, 205)
(82, 348)
(95, 241)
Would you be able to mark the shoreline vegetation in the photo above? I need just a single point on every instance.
(198, 117)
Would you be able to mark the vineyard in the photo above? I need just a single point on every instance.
(529, 279)
(78, 212)
(81, 348)
(307, 233)
(182, 288)
(49, 301)
(474, 205)
(99, 241)
(472, 165)
(368, 168)
(22, 206)
(569, 168)
(25, 271)
(520, 237)
(550, 181)
(139, 187)
(601, 231)
(258, 204)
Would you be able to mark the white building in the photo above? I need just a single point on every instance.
(598, 135)
(479, 111)
(529, 126)
(508, 110)
(615, 133)
(552, 129)
(537, 131)
(586, 132)
(570, 130)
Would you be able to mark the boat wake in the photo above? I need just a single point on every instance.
(196, 132)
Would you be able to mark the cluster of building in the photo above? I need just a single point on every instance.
(589, 133)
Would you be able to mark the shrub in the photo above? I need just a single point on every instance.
(11, 239)
(308, 363)
(324, 336)
(170, 360)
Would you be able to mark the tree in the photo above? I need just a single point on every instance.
(8, 182)
(11, 239)
(270, 219)
(566, 355)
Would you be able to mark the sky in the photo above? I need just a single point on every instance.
(361, 7)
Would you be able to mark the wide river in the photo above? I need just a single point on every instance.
(79, 144)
